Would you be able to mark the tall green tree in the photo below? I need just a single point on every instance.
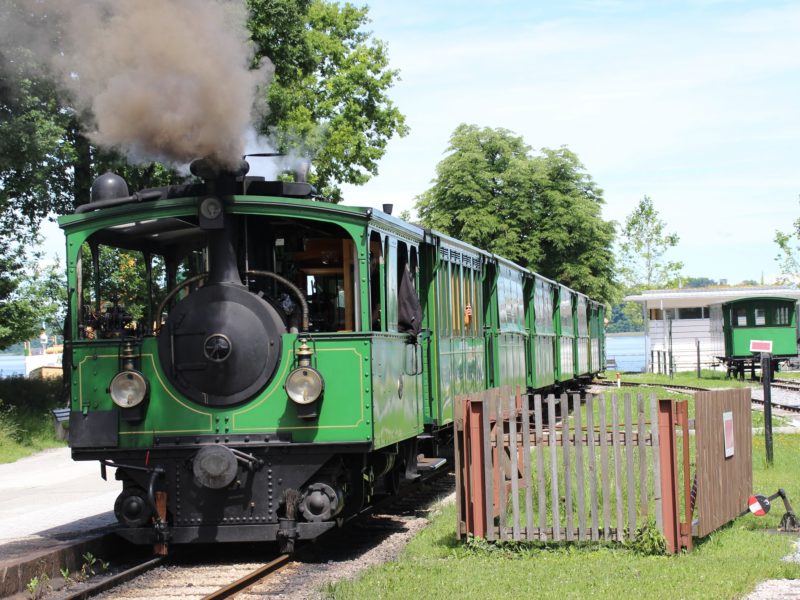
(328, 99)
(574, 242)
(788, 258)
(17, 316)
(483, 192)
(542, 211)
(643, 245)
(32, 295)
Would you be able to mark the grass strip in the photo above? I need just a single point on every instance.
(726, 564)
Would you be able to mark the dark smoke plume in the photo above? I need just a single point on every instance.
(165, 80)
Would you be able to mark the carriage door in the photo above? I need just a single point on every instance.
(409, 322)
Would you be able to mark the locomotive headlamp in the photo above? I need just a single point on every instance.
(304, 385)
(128, 388)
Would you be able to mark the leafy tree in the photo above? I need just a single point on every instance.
(17, 316)
(31, 296)
(643, 244)
(625, 317)
(788, 258)
(328, 98)
(45, 289)
(483, 192)
(541, 211)
(405, 215)
(568, 229)
(699, 282)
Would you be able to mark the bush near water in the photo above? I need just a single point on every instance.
(26, 424)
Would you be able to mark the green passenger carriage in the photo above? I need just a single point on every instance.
(255, 363)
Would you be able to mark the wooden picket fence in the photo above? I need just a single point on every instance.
(563, 468)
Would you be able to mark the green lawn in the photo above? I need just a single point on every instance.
(709, 379)
(727, 564)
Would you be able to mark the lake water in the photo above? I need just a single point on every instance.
(627, 350)
(11, 365)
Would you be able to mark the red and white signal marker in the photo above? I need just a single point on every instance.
(759, 505)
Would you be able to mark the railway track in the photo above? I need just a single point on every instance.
(93, 589)
(786, 384)
(213, 572)
(251, 579)
(677, 388)
(777, 405)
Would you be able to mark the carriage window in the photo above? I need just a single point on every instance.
(782, 315)
(583, 317)
(443, 297)
(375, 263)
(566, 312)
(741, 317)
(455, 299)
(409, 310)
(390, 274)
(470, 307)
(761, 316)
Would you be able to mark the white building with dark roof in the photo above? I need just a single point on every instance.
(679, 320)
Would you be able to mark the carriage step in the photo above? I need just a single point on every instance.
(429, 465)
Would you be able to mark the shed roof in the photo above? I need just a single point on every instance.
(693, 297)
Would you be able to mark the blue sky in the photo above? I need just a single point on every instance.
(693, 103)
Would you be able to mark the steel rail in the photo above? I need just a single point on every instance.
(666, 386)
(114, 580)
(786, 407)
(787, 385)
(250, 579)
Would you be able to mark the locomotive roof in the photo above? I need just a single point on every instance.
(168, 213)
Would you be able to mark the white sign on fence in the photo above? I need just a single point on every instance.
(727, 424)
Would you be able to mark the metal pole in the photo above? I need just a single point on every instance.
(697, 343)
(671, 364)
(766, 378)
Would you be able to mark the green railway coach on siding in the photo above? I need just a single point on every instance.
(738, 323)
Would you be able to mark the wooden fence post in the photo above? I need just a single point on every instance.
(686, 524)
(669, 474)
(678, 533)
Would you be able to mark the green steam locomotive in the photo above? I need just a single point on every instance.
(255, 362)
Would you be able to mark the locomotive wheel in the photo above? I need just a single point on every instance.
(391, 481)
